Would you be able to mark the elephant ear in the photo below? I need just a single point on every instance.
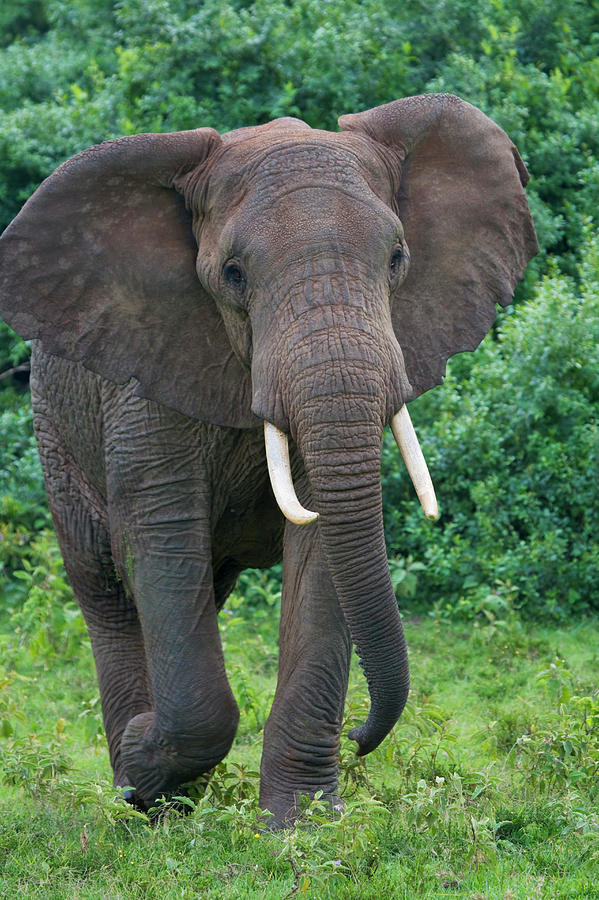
(466, 220)
(100, 266)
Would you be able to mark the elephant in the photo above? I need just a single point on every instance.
(198, 302)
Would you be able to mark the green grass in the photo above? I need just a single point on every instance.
(488, 787)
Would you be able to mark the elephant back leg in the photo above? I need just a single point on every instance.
(79, 514)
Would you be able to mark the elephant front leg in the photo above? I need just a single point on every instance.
(159, 481)
(194, 717)
(301, 737)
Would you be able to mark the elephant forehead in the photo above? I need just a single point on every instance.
(305, 163)
(313, 220)
(264, 171)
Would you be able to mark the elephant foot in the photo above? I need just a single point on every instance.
(283, 811)
(295, 768)
(130, 796)
(121, 784)
(158, 766)
(156, 813)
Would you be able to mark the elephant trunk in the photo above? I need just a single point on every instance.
(339, 436)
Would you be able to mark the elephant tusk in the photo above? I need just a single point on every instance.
(279, 469)
(405, 436)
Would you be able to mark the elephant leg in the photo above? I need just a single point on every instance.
(109, 612)
(194, 717)
(160, 493)
(301, 737)
(118, 648)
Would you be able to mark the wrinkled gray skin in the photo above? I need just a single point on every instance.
(302, 313)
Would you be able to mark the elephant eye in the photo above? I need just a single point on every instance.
(398, 265)
(396, 261)
(234, 275)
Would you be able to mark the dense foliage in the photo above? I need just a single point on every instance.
(512, 437)
(513, 441)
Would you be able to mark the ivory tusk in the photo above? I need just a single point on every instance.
(279, 469)
(405, 436)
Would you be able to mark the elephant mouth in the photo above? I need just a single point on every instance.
(279, 469)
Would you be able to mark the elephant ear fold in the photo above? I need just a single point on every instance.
(100, 266)
(466, 220)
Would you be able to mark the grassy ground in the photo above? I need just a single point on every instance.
(488, 788)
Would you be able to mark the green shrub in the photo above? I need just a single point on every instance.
(23, 504)
(43, 613)
(565, 749)
(512, 441)
(22, 496)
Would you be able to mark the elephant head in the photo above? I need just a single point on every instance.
(311, 280)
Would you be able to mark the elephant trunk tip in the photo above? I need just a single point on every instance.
(367, 738)
(365, 744)
(380, 721)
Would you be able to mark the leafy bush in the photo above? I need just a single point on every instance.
(47, 617)
(22, 495)
(512, 440)
(565, 749)
(13, 350)
(23, 504)
(34, 763)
